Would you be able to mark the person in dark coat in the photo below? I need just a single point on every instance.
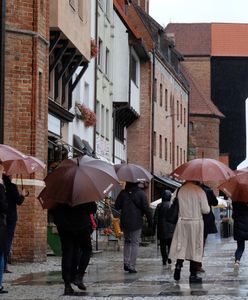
(165, 229)
(133, 203)
(3, 229)
(14, 198)
(74, 228)
(240, 230)
(208, 219)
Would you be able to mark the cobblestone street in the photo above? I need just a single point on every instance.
(106, 278)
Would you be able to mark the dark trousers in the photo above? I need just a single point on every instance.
(76, 253)
(192, 266)
(165, 249)
(11, 225)
(240, 249)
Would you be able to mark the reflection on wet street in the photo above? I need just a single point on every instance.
(105, 276)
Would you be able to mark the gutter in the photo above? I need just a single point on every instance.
(2, 69)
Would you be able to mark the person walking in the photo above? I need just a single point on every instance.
(208, 219)
(133, 204)
(187, 241)
(74, 228)
(240, 230)
(165, 229)
(3, 229)
(14, 198)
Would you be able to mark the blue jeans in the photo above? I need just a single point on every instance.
(11, 225)
(240, 250)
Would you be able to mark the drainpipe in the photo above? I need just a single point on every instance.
(152, 129)
(95, 72)
(2, 69)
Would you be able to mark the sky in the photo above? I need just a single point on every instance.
(199, 11)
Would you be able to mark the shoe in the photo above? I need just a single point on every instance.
(200, 270)
(68, 290)
(7, 271)
(236, 267)
(132, 271)
(177, 273)
(126, 267)
(195, 279)
(79, 282)
(164, 263)
(2, 291)
(169, 261)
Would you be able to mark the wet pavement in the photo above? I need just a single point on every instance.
(105, 277)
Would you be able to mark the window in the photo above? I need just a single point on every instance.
(99, 59)
(181, 157)
(177, 110)
(184, 117)
(102, 120)
(107, 62)
(181, 113)
(107, 123)
(166, 99)
(191, 127)
(165, 149)
(155, 89)
(40, 87)
(184, 156)
(98, 117)
(177, 155)
(160, 146)
(86, 99)
(170, 153)
(161, 94)
(154, 143)
(133, 69)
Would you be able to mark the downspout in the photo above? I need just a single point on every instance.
(152, 127)
(2, 69)
(95, 71)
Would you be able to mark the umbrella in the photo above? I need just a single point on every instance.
(203, 169)
(236, 187)
(132, 173)
(78, 180)
(9, 153)
(25, 165)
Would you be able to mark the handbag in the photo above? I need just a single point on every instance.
(173, 211)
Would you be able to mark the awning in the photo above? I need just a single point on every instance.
(83, 146)
(166, 181)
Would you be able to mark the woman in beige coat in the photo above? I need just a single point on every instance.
(187, 242)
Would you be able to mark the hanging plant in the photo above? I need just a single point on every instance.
(84, 114)
(93, 48)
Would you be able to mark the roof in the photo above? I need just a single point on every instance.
(199, 103)
(229, 39)
(191, 39)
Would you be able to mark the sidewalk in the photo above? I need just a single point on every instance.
(106, 278)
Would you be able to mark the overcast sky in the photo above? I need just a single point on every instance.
(196, 11)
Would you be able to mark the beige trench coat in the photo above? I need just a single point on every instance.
(187, 242)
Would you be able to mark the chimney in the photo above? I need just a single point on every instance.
(143, 4)
(171, 37)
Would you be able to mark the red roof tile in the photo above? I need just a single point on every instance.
(191, 39)
(199, 103)
(229, 39)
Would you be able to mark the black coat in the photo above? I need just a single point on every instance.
(165, 229)
(13, 199)
(72, 219)
(133, 203)
(209, 219)
(240, 217)
(3, 213)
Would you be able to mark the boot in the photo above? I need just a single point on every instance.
(195, 279)
(79, 282)
(177, 273)
(68, 289)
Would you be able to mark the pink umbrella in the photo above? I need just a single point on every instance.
(9, 153)
(26, 165)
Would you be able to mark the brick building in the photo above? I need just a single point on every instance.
(216, 58)
(25, 111)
